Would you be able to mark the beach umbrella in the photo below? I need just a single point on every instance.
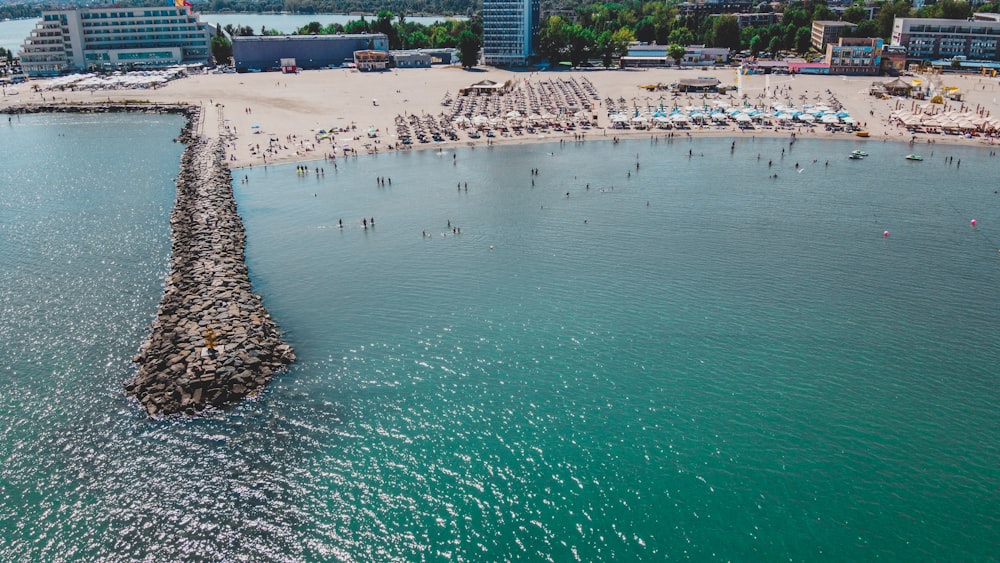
(255, 126)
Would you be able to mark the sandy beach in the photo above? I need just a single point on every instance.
(270, 117)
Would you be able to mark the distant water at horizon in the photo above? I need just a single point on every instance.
(288, 23)
(689, 359)
(14, 32)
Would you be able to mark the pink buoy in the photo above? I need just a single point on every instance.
(972, 222)
(885, 233)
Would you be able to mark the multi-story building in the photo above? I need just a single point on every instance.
(114, 38)
(929, 39)
(855, 55)
(827, 32)
(702, 8)
(509, 31)
(757, 19)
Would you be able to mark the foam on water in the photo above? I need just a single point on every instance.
(701, 362)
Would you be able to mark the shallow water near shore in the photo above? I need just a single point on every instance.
(688, 359)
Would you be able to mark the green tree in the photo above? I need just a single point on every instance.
(609, 44)
(888, 14)
(311, 28)
(681, 36)
(241, 31)
(620, 40)
(222, 50)
(469, 45)
(676, 52)
(383, 24)
(581, 44)
(822, 12)
(955, 10)
(774, 45)
(603, 48)
(726, 32)
(855, 13)
(645, 30)
(357, 26)
(803, 39)
(755, 45)
(417, 40)
(867, 28)
(553, 39)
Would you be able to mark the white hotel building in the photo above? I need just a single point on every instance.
(509, 31)
(115, 38)
(930, 39)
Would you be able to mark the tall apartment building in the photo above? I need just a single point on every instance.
(827, 32)
(509, 31)
(928, 39)
(114, 38)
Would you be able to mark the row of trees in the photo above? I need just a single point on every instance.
(466, 35)
(560, 40)
(603, 30)
(404, 34)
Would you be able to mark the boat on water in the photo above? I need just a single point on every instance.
(854, 156)
(914, 157)
(859, 152)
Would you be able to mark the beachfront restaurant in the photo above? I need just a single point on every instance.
(707, 84)
(484, 88)
(897, 87)
(409, 59)
(368, 60)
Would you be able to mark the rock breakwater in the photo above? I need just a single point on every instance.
(212, 343)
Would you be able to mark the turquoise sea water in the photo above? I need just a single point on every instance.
(688, 360)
